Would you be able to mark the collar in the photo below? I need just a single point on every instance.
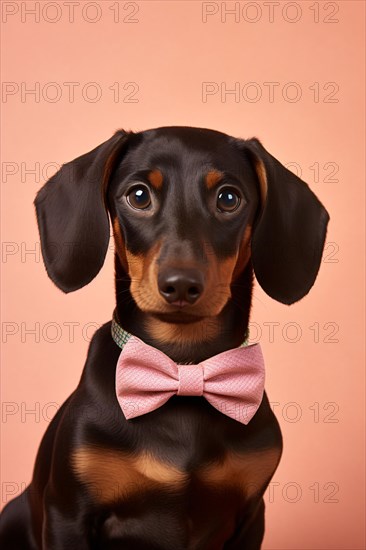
(121, 336)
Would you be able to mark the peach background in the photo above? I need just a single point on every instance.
(169, 52)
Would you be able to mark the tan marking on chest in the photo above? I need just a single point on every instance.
(112, 475)
(248, 472)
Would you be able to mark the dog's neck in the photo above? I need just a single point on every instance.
(188, 342)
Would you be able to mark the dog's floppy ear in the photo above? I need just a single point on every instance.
(289, 235)
(72, 216)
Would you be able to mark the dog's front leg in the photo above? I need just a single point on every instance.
(65, 527)
(250, 532)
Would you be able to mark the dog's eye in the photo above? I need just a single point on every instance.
(139, 197)
(228, 200)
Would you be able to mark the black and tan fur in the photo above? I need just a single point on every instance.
(184, 477)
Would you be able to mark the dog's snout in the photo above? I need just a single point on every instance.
(180, 286)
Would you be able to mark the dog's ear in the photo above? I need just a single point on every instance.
(289, 235)
(72, 216)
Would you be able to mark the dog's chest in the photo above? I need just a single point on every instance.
(112, 476)
(177, 453)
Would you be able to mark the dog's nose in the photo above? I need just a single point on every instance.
(179, 287)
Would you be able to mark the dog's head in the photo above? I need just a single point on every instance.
(191, 210)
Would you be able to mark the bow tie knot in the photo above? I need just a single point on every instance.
(190, 379)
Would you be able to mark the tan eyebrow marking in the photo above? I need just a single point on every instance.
(212, 177)
(155, 177)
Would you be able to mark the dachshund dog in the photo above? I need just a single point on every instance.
(195, 213)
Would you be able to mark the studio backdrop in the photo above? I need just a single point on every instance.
(290, 74)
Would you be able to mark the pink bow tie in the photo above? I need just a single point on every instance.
(232, 381)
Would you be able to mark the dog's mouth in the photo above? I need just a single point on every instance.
(177, 317)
